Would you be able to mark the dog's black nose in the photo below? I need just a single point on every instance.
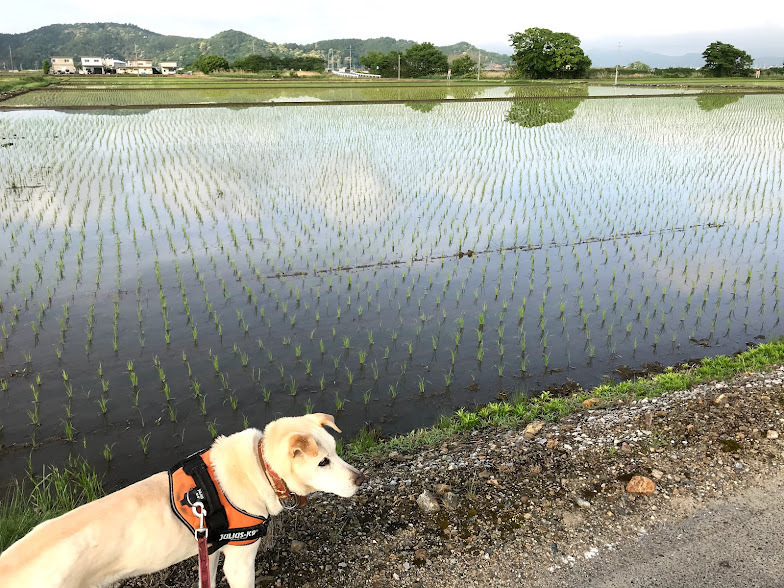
(359, 477)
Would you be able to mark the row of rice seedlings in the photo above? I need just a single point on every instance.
(328, 235)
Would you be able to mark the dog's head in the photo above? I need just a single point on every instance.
(301, 451)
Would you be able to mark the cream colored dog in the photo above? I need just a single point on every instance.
(134, 531)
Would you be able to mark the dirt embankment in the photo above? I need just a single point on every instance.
(516, 507)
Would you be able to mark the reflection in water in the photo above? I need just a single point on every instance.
(422, 106)
(708, 102)
(110, 111)
(556, 104)
(445, 93)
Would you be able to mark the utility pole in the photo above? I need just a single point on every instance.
(349, 58)
(478, 64)
(617, 64)
(253, 51)
(11, 55)
(398, 65)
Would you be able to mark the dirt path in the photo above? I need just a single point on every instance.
(737, 542)
(552, 506)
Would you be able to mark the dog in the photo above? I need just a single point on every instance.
(142, 529)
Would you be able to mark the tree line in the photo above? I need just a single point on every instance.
(538, 54)
(258, 63)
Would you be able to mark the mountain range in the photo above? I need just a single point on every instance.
(128, 41)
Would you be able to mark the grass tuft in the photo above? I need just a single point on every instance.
(38, 498)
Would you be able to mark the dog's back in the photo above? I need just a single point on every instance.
(89, 546)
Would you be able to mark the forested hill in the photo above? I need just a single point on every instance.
(125, 41)
(387, 44)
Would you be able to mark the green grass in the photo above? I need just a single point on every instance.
(524, 410)
(40, 497)
(25, 82)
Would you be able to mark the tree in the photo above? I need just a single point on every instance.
(46, 66)
(541, 53)
(639, 66)
(210, 63)
(384, 64)
(373, 60)
(722, 59)
(257, 63)
(463, 65)
(423, 59)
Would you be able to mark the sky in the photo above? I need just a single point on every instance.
(600, 22)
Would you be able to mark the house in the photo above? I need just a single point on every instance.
(112, 65)
(139, 67)
(62, 65)
(92, 65)
(168, 67)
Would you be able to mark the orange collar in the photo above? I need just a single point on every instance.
(286, 497)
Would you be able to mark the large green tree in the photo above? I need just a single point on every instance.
(384, 64)
(723, 59)
(541, 53)
(210, 63)
(46, 66)
(423, 59)
(463, 65)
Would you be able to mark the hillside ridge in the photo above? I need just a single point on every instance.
(125, 41)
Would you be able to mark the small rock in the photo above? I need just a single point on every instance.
(657, 474)
(297, 546)
(450, 501)
(721, 399)
(773, 434)
(420, 554)
(427, 502)
(551, 444)
(591, 402)
(532, 429)
(442, 489)
(640, 485)
(573, 520)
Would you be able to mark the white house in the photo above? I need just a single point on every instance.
(168, 67)
(139, 67)
(92, 65)
(63, 65)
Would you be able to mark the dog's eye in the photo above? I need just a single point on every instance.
(324, 462)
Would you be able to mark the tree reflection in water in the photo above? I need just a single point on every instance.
(542, 104)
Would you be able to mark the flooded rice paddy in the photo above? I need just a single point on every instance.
(170, 275)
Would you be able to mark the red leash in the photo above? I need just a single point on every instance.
(201, 539)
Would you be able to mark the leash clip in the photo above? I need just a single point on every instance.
(200, 512)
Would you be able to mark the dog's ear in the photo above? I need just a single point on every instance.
(325, 419)
(302, 442)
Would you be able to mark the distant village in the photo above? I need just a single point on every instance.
(101, 66)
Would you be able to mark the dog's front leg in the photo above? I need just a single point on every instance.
(214, 568)
(239, 565)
